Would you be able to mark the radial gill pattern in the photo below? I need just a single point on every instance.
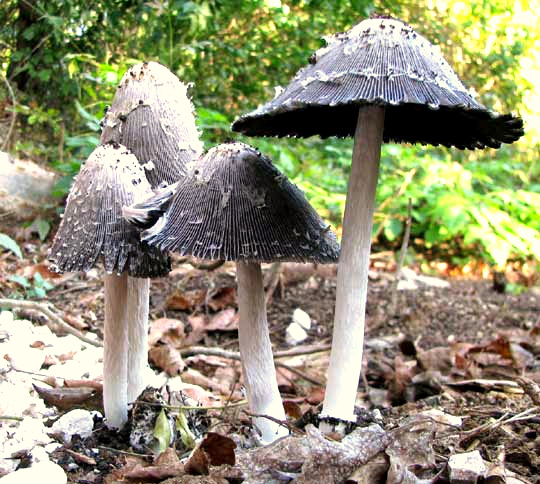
(93, 227)
(383, 62)
(235, 205)
(152, 116)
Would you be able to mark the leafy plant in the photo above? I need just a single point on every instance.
(9, 244)
(34, 289)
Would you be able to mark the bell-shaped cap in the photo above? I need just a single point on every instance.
(152, 116)
(383, 62)
(234, 204)
(93, 228)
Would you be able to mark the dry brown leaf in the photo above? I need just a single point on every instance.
(315, 395)
(196, 330)
(68, 398)
(167, 357)
(292, 409)
(222, 298)
(167, 330)
(215, 450)
(225, 320)
(166, 465)
(186, 300)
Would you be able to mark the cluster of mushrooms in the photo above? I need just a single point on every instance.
(147, 189)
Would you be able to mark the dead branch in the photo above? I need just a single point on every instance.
(283, 423)
(233, 355)
(49, 311)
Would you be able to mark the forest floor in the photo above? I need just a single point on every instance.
(451, 369)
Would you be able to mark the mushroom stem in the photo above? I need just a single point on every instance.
(348, 336)
(115, 350)
(138, 295)
(256, 351)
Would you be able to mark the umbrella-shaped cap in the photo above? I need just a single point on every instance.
(93, 227)
(382, 62)
(234, 204)
(152, 116)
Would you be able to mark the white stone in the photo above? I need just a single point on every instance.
(433, 281)
(407, 285)
(302, 318)
(295, 334)
(6, 317)
(77, 421)
(443, 418)
(466, 468)
(42, 472)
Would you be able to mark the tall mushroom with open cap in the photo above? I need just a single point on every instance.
(235, 205)
(93, 229)
(380, 81)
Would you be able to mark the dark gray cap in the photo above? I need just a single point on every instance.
(93, 227)
(382, 62)
(234, 204)
(152, 116)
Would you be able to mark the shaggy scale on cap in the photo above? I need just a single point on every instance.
(152, 115)
(382, 62)
(93, 227)
(235, 205)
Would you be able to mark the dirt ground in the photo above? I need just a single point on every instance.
(464, 349)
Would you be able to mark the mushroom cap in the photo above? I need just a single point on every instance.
(382, 62)
(152, 116)
(93, 227)
(234, 204)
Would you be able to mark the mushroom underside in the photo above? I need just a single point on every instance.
(408, 123)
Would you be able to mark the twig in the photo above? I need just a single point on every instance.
(283, 423)
(11, 417)
(401, 260)
(48, 310)
(241, 403)
(13, 113)
(233, 355)
(528, 414)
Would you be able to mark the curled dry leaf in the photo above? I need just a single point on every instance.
(226, 320)
(167, 330)
(222, 297)
(186, 300)
(167, 357)
(214, 450)
(68, 398)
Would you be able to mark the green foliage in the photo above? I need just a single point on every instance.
(490, 207)
(66, 58)
(9, 244)
(33, 289)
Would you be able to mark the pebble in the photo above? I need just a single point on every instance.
(76, 422)
(302, 318)
(295, 334)
(42, 472)
(466, 468)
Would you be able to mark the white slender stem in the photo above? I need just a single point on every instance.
(138, 293)
(348, 336)
(256, 351)
(115, 350)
